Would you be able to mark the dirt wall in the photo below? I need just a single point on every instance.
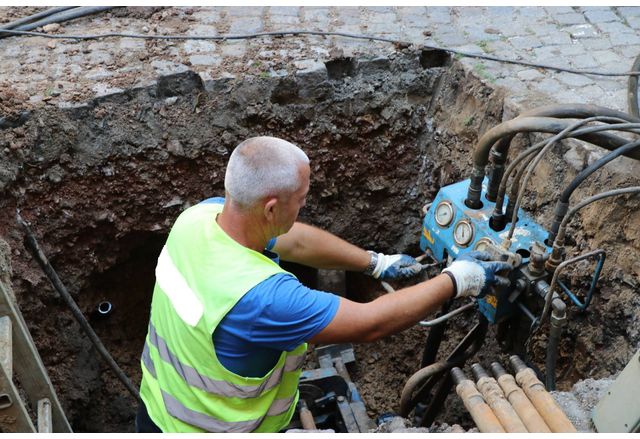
(102, 183)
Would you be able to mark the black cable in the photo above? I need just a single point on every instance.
(33, 17)
(63, 16)
(42, 260)
(318, 33)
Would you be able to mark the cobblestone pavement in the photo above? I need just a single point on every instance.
(64, 72)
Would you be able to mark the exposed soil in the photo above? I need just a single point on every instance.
(102, 183)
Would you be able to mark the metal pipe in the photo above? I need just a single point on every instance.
(558, 321)
(444, 318)
(519, 401)
(481, 413)
(542, 400)
(527, 124)
(493, 395)
(104, 308)
(550, 291)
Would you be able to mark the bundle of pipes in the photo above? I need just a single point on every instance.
(49, 16)
(510, 404)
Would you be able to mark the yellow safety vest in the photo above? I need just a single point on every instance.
(201, 274)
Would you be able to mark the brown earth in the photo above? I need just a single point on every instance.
(102, 183)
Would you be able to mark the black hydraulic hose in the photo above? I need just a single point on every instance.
(632, 91)
(538, 158)
(33, 17)
(562, 205)
(498, 218)
(62, 17)
(42, 260)
(527, 124)
(561, 111)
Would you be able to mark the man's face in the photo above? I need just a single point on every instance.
(289, 208)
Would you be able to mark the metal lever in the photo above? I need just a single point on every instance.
(447, 316)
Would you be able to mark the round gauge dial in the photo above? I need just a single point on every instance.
(444, 213)
(482, 244)
(463, 233)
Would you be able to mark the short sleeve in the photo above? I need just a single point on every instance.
(291, 313)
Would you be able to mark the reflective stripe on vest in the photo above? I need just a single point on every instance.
(222, 388)
(200, 276)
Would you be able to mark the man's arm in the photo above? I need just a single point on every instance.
(311, 246)
(388, 314)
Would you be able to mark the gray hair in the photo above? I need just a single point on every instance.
(263, 166)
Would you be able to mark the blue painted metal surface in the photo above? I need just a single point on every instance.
(440, 240)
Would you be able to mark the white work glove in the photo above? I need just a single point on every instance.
(474, 273)
(392, 266)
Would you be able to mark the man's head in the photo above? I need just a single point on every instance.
(269, 177)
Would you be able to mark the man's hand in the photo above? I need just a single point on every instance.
(474, 274)
(392, 266)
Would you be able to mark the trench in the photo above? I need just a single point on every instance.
(102, 182)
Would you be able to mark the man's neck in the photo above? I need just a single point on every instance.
(242, 228)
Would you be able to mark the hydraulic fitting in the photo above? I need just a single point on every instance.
(475, 189)
(536, 259)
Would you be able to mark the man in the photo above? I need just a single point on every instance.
(228, 326)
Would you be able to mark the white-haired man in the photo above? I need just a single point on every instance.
(228, 326)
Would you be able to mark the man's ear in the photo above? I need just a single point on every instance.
(269, 209)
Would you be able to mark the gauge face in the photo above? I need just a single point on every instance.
(444, 213)
(482, 244)
(463, 233)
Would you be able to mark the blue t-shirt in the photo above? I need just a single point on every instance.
(276, 315)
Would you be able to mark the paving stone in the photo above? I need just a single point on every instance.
(511, 29)
(530, 75)
(568, 19)
(558, 39)
(252, 11)
(616, 27)
(633, 22)
(630, 51)
(290, 11)
(596, 43)
(205, 60)
(550, 86)
(451, 39)
(585, 61)
(582, 31)
(164, 67)
(285, 20)
(574, 80)
(570, 50)
(320, 15)
(627, 12)
(600, 15)
(544, 29)
(131, 44)
(556, 10)
(438, 14)
(195, 46)
(387, 19)
(520, 43)
(532, 12)
(624, 39)
(246, 26)
(609, 57)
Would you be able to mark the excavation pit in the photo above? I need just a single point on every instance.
(102, 183)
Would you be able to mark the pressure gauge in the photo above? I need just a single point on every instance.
(482, 244)
(444, 213)
(463, 233)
